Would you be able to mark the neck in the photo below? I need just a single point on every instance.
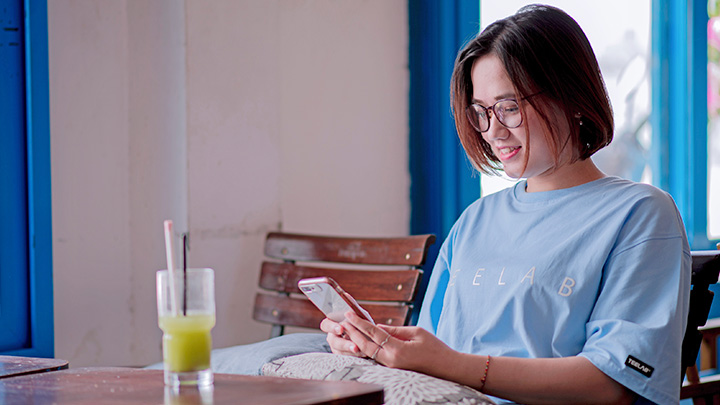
(565, 176)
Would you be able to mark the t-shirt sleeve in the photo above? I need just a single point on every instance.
(635, 331)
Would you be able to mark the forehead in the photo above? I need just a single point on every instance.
(490, 80)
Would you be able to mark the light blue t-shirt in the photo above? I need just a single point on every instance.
(601, 270)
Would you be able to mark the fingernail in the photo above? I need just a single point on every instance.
(338, 330)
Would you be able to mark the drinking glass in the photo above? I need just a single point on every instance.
(186, 314)
(188, 395)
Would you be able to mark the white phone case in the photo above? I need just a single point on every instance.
(331, 299)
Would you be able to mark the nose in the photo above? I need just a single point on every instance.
(496, 130)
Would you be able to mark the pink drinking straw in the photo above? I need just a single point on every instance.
(170, 254)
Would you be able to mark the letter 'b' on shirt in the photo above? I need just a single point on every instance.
(566, 287)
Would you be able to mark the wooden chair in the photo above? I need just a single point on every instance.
(705, 270)
(381, 273)
(708, 348)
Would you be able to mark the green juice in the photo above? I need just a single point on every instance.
(187, 342)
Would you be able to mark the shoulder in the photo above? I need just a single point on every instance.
(631, 189)
(648, 213)
(636, 198)
(647, 194)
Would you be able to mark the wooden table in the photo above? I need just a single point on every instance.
(95, 385)
(13, 366)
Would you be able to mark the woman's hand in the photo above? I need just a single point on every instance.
(560, 380)
(406, 347)
(338, 340)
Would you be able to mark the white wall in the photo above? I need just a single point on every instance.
(230, 117)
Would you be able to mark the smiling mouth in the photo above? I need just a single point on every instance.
(508, 152)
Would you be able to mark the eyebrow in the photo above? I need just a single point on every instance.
(497, 98)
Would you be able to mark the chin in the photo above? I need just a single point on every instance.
(513, 174)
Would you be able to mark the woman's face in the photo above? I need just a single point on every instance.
(492, 83)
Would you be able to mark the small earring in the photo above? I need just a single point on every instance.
(581, 122)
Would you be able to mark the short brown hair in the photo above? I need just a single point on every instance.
(547, 55)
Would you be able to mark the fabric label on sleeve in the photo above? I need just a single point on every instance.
(639, 366)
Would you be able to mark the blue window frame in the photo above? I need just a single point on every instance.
(679, 110)
(26, 295)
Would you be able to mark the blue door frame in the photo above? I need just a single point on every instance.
(14, 311)
(26, 241)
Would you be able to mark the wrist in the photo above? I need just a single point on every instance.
(463, 368)
(485, 374)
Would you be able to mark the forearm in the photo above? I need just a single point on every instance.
(536, 381)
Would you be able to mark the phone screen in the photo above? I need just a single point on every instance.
(327, 297)
(328, 300)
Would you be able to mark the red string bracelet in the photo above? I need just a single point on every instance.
(482, 381)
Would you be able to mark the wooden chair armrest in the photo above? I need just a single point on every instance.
(712, 327)
(707, 387)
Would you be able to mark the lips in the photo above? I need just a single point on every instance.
(507, 152)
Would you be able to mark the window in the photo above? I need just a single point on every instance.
(664, 135)
(713, 83)
(654, 60)
(682, 162)
(623, 53)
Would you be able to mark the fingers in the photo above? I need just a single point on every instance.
(343, 346)
(380, 347)
(369, 338)
(399, 332)
(374, 333)
(337, 338)
(330, 326)
(355, 336)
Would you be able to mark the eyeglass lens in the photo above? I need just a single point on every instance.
(507, 112)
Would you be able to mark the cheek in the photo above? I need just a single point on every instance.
(534, 123)
(537, 138)
(484, 137)
(540, 151)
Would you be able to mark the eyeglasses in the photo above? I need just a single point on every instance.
(506, 110)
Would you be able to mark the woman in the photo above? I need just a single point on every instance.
(572, 286)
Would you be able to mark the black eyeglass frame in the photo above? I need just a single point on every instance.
(470, 111)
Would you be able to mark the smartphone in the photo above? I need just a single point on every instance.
(331, 299)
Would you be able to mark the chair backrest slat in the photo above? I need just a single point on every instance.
(405, 251)
(290, 311)
(363, 285)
